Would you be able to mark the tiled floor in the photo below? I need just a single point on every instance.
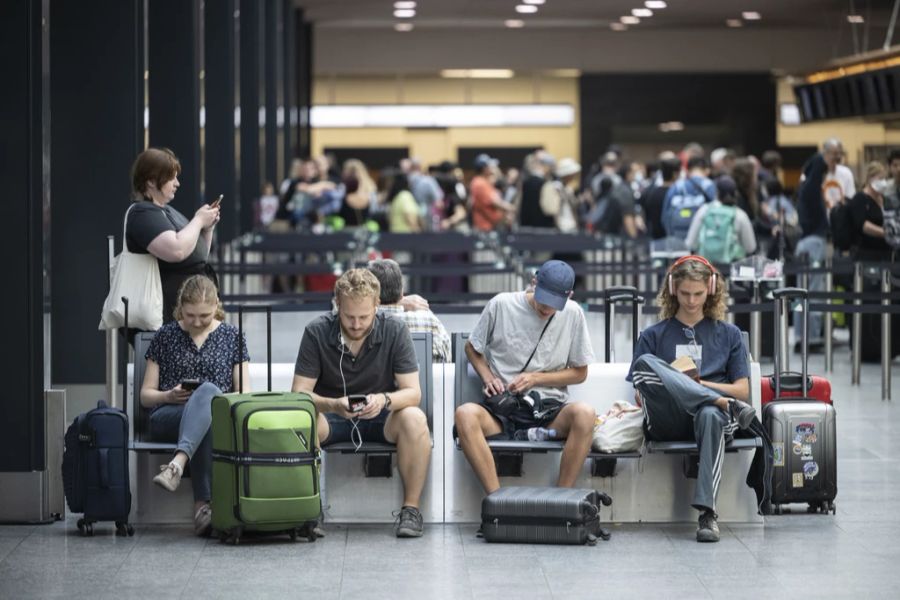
(855, 554)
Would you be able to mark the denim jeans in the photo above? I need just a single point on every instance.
(188, 425)
(814, 247)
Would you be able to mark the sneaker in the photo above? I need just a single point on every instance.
(410, 523)
(169, 477)
(203, 521)
(708, 529)
(741, 412)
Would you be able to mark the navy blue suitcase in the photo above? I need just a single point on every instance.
(95, 469)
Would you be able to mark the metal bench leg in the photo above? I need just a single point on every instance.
(509, 464)
(377, 465)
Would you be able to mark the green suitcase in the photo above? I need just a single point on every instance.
(265, 475)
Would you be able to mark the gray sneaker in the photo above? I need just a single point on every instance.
(203, 521)
(708, 529)
(410, 524)
(741, 412)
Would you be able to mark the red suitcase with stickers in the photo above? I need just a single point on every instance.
(803, 433)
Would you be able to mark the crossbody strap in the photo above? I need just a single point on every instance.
(528, 362)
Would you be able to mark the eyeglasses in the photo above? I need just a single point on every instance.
(692, 337)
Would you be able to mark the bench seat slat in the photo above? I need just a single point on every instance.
(691, 447)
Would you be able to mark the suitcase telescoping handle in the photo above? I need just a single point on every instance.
(611, 296)
(782, 296)
(268, 310)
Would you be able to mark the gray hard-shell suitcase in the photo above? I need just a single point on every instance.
(543, 515)
(803, 433)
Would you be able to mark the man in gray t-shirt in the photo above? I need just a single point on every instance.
(510, 328)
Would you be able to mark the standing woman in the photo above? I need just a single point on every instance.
(154, 227)
(196, 346)
(867, 214)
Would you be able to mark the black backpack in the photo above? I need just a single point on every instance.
(842, 234)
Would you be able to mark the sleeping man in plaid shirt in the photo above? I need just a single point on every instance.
(420, 320)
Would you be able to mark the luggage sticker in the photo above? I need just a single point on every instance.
(805, 433)
(796, 447)
(798, 480)
(778, 454)
(806, 452)
(810, 470)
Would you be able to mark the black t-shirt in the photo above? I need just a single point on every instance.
(387, 350)
(147, 220)
(652, 204)
(864, 208)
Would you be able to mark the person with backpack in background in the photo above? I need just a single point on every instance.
(686, 197)
(722, 232)
(558, 196)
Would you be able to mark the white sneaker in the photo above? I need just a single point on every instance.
(169, 477)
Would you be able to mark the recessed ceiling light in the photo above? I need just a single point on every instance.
(526, 9)
(478, 73)
(403, 27)
(655, 4)
(404, 13)
(535, 2)
(630, 20)
(751, 15)
(514, 23)
(734, 22)
(616, 26)
(855, 19)
(403, 5)
(642, 12)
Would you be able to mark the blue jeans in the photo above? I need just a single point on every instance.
(814, 247)
(677, 408)
(188, 425)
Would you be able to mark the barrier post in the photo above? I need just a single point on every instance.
(755, 322)
(112, 335)
(856, 348)
(886, 335)
(828, 324)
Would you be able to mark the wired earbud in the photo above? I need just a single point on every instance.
(713, 280)
(355, 435)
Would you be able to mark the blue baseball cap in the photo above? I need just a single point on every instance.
(555, 280)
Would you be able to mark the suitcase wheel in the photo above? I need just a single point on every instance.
(80, 524)
(124, 529)
(604, 535)
(605, 500)
(777, 509)
(309, 531)
(293, 534)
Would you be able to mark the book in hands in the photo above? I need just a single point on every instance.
(686, 365)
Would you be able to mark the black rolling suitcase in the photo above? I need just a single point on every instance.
(803, 435)
(543, 515)
(95, 469)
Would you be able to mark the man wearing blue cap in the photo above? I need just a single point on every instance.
(531, 345)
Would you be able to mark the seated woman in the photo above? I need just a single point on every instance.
(198, 346)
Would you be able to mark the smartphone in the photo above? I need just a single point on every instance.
(190, 384)
(217, 201)
(357, 402)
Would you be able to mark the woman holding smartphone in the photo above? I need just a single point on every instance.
(153, 227)
(200, 352)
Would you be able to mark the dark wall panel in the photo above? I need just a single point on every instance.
(219, 149)
(250, 58)
(304, 62)
(22, 165)
(96, 99)
(741, 106)
(174, 90)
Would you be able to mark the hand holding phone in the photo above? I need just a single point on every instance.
(190, 384)
(215, 203)
(357, 402)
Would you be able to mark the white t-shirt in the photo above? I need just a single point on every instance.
(843, 176)
(508, 330)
